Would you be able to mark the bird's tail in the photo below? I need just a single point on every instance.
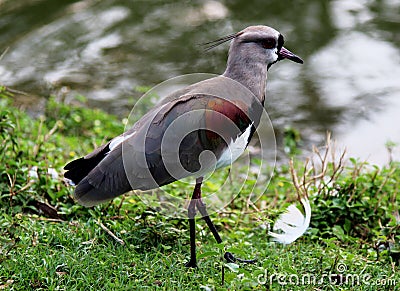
(80, 168)
(98, 177)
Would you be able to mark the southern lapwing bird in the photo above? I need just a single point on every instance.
(216, 116)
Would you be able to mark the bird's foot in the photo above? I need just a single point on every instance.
(191, 264)
(230, 258)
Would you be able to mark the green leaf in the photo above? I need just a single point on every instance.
(207, 254)
(338, 232)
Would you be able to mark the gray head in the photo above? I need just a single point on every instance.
(263, 44)
(257, 44)
(253, 50)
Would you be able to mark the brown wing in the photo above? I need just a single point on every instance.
(164, 146)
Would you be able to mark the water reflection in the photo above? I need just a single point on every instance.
(104, 49)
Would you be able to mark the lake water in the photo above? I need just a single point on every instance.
(349, 83)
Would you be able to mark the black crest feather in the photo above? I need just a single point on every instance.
(212, 44)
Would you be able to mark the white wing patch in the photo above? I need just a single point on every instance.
(292, 224)
(235, 149)
(118, 140)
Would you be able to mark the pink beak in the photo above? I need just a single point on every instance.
(287, 54)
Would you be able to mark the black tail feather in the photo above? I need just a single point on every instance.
(80, 168)
(99, 176)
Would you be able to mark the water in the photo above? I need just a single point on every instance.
(349, 83)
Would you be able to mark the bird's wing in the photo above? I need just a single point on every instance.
(166, 143)
(183, 130)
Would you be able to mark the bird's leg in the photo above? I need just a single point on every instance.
(192, 224)
(203, 210)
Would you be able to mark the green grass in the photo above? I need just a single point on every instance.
(48, 242)
(79, 255)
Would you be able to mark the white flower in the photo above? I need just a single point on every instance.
(33, 173)
(292, 224)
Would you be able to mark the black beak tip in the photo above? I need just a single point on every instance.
(295, 58)
(286, 54)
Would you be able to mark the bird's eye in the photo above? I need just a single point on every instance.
(268, 43)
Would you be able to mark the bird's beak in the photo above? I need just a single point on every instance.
(287, 54)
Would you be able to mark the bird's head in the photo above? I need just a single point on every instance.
(264, 43)
(257, 44)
